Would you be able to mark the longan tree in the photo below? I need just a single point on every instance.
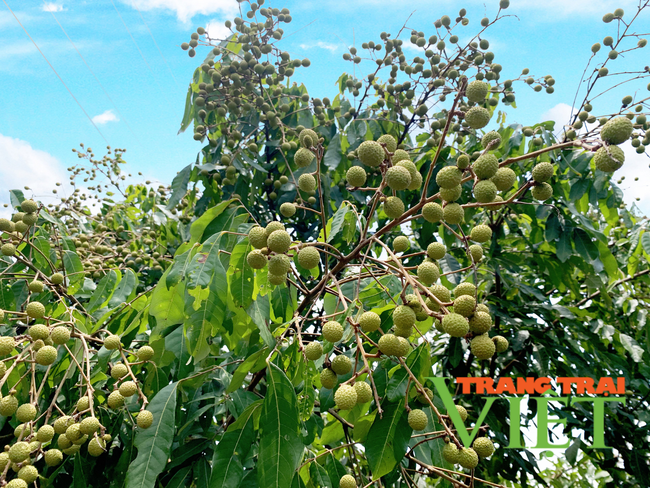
(278, 315)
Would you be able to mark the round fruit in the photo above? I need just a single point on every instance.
(432, 212)
(504, 179)
(477, 117)
(115, 400)
(449, 177)
(8, 249)
(465, 305)
(279, 241)
(347, 481)
(39, 331)
(482, 347)
(393, 207)
(307, 182)
(463, 161)
(128, 388)
(485, 191)
(389, 345)
(62, 423)
(465, 289)
(328, 379)
(29, 206)
(455, 325)
(276, 280)
(609, 159)
(501, 343)
(303, 157)
(57, 278)
(468, 458)
(313, 350)
(417, 419)
(36, 286)
(481, 233)
(96, 447)
(450, 453)
(272, 227)
(486, 166)
(441, 292)
(369, 321)
(308, 138)
(401, 244)
(403, 317)
(345, 397)
(256, 259)
(73, 433)
(487, 140)
(332, 331)
(542, 191)
(53, 457)
(144, 419)
(398, 178)
(279, 264)
(371, 153)
(19, 452)
(356, 176)
(112, 342)
(421, 396)
(35, 310)
(341, 365)
(476, 251)
(89, 425)
(364, 392)
(309, 257)
(617, 130)
(26, 412)
(118, 371)
(476, 91)
(436, 250)
(410, 167)
(453, 213)
(60, 335)
(45, 433)
(288, 209)
(428, 273)
(451, 194)
(257, 237)
(480, 322)
(145, 353)
(16, 483)
(483, 447)
(46, 355)
(542, 172)
(389, 141)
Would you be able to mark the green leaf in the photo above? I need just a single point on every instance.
(564, 250)
(200, 224)
(154, 443)
(179, 186)
(260, 311)
(333, 155)
(241, 275)
(124, 288)
(388, 439)
(16, 197)
(584, 245)
(104, 290)
(168, 304)
(319, 475)
(572, 451)
(188, 115)
(74, 270)
(280, 448)
(232, 450)
(645, 242)
(337, 222)
(205, 263)
(204, 322)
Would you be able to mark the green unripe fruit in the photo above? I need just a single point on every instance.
(389, 344)
(57, 278)
(421, 396)
(482, 346)
(486, 166)
(62, 423)
(364, 392)
(35, 286)
(279, 264)
(450, 453)
(308, 138)
(303, 157)
(455, 325)
(83, 404)
(53, 457)
(483, 447)
(451, 194)
(26, 412)
(347, 481)
(127, 389)
(449, 177)
(279, 241)
(394, 207)
(371, 153)
(485, 191)
(60, 335)
(119, 371)
(369, 321)
(401, 244)
(332, 331)
(487, 140)
(288, 209)
(257, 237)
(46, 355)
(272, 227)
(276, 280)
(72, 450)
(465, 289)
(398, 178)
(4, 460)
(35, 310)
(481, 233)
(309, 257)
(504, 179)
(480, 322)
(328, 379)
(417, 419)
(73, 433)
(115, 400)
(345, 397)
(465, 305)
(96, 447)
(341, 365)
(416, 182)
(400, 155)
(19, 452)
(256, 259)
(356, 176)
(403, 317)
(89, 426)
(617, 130)
(39, 331)
(313, 350)
(477, 117)
(45, 433)
(6, 225)
(609, 159)
(144, 419)
(463, 161)
(432, 212)
(542, 191)
(501, 343)
(8, 249)
(542, 172)
(16, 483)
(436, 250)
(391, 143)
(30, 219)
(29, 206)
(468, 458)
(476, 91)
(307, 182)
(21, 431)
(428, 273)
(453, 213)
(441, 293)
(112, 342)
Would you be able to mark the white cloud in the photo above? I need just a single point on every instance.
(322, 45)
(21, 165)
(216, 29)
(560, 114)
(186, 9)
(52, 7)
(106, 117)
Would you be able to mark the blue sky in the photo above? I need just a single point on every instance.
(146, 80)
